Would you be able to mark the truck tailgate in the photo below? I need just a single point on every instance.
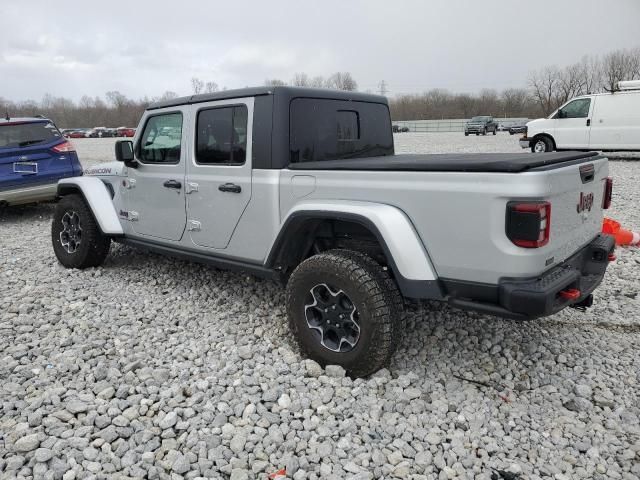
(576, 197)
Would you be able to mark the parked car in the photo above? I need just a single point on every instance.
(480, 125)
(517, 129)
(100, 132)
(125, 132)
(603, 121)
(77, 134)
(33, 157)
(324, 204)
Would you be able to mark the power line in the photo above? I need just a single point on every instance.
(382, 88)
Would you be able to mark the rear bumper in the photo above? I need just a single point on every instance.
(30, 194)
(540, 296)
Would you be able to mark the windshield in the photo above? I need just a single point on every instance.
(26, 134)
(479, 119)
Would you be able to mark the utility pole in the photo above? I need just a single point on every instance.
(382, 88)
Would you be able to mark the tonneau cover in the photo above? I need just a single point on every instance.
(453, 162)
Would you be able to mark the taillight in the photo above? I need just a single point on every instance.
(528, 223)
(608, 193)
(64, 147)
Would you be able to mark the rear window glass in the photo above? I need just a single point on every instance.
(336, 129)
(27, 134)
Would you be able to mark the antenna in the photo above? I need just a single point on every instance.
(382, 88)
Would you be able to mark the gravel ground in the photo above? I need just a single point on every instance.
(158, 368)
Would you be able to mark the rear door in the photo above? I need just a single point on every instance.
(155, 195)
(219, 170)
(28, 156)
(616, 122)
(572, 124)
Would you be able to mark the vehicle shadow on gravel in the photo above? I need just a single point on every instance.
(26, 213)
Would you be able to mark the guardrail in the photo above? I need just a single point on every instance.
(449, 125)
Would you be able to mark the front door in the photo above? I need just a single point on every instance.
(155, 195)
(219, 170)
(572, 124)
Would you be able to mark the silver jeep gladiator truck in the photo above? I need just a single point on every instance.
(303, 185)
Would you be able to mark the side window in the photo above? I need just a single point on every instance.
(576, 109)
(326, 129)
(222, 136)
(161, 139)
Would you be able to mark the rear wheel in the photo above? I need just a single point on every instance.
(541, 145)
(484, 131)
(76, 237)
(495, 130)
(344, 309)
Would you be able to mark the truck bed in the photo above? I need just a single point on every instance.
(454, 162)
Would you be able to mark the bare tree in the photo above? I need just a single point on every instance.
(317, 82)
(514, 102)
(342, 81)
(301, 80)
(544, 87)
(211, 87)
(274, 82)
(197, 85)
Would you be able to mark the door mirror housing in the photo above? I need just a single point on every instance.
(124, 153)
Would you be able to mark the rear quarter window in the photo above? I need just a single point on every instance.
(323, 129)
(18, 135)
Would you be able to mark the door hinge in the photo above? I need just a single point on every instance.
(194, 226)
(190, 187)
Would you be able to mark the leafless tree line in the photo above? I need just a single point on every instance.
(337, 81)
(548, 88)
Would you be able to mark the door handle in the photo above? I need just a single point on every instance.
(173, 184)
(230, 187)
(588, 122)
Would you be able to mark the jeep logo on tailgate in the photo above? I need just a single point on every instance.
(585, 202)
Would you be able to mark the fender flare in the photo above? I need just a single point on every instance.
(98, 198)
(405, 252)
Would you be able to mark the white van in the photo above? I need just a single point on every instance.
(604, 121)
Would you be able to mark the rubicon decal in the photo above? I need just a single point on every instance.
(585, 202)
(97, 171)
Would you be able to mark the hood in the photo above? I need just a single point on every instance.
(108, 169)
(537, 120)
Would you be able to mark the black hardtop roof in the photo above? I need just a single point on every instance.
(286, 92)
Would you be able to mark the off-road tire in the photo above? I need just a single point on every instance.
(93, 247)
(374, 295)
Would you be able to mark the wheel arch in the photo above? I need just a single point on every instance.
(98, 198)
(401, 246)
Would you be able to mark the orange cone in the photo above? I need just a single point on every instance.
(622, 236)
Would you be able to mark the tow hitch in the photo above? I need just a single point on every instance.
(584, 304)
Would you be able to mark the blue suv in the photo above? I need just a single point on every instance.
(34, 155)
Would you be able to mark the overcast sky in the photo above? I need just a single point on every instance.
(145, 47)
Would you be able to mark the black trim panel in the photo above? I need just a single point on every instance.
(198, 256)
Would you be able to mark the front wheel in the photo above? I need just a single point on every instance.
(343, 309)
(541, 145)
(466, 134)
(76, 237)
(495, 130)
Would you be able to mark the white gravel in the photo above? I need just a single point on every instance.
(151, 367)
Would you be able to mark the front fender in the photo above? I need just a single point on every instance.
(406, 253)
(97, 197)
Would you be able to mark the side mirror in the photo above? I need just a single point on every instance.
(124, 153)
